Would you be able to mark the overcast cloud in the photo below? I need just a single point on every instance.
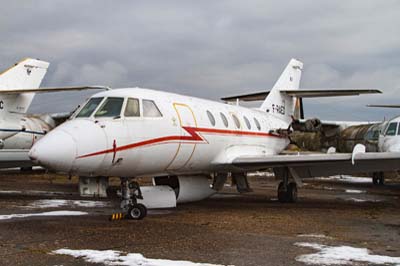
(210, 48)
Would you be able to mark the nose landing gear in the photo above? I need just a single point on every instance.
(130, 192)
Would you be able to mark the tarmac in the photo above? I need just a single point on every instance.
(336, 221)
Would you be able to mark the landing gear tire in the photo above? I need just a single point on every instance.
(282, 193)
(378, 178)
(289, 194)
(292, 192)
(137, 212)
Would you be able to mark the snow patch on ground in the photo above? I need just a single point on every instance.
(53, 213)
(342, 255)
(314, 235)
(113, 257)
(56, 203)
(363, 200)
(354, 191)
(260, 174)
(224, 195)
(347, 178)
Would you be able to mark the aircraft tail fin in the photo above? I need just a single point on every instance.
(278, 103)
(26, 74)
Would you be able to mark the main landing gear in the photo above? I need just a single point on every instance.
(287, 191)
(130, 192)
(378, 178)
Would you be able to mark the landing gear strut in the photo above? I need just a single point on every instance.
(130, 192)
(378, 178)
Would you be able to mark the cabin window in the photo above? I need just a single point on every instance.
(110, 108)
(211, 118)
(150, 109)
(247, 122)
(391, 130)
(89, 107)
(132, 108)
(236, 120)
(224, 119)
(257, 123)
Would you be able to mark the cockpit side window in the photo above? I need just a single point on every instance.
(132, 108)
(392, 129)
(89, 107)
(110, 108)
(150, 109)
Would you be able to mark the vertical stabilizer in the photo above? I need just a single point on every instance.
(278, 103)
(27, 74)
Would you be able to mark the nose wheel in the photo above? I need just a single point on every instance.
(131, 192)
(137, 211)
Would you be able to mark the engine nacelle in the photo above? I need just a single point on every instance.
(187, 188)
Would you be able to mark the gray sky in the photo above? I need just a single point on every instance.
(210, 48)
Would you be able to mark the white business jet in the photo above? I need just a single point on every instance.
(19, 130)
(182, 141)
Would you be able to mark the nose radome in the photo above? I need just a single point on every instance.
(56, 150)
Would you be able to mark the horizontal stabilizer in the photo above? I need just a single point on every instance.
(55, 89)
(384, 105)
(303, 93)
(252, 97)
(329, 93)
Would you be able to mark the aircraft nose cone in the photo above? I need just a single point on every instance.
(56, 151)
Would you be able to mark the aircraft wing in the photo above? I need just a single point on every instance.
(302, 93)
(384, 105)
(54, 89)
(314, 165)
(11, 158)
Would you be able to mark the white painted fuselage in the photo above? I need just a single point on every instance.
(189, 137)
(389, 138)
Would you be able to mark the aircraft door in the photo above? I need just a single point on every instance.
(186, 147)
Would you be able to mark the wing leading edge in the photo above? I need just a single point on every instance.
(55, 89)
(303, 93)
(314, 165)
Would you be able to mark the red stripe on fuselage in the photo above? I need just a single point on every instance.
(193, 137)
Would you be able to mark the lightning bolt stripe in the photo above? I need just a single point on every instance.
(193, 137)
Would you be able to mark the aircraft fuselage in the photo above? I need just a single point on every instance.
(187, 135)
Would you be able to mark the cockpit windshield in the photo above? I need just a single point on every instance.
(392, 129)
(110, 108)
(89, 107)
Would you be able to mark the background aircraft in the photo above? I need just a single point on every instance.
(19, 130)
(183, 141)
(316, 135)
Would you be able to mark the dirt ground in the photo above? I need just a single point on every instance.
(227, 229)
